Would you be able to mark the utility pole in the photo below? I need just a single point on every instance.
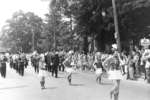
(117, 36)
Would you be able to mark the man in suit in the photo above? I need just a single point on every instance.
(55, 61)
(21, 64)
(3, 66)
(48, 62)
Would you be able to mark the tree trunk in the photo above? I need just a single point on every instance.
(85, 44)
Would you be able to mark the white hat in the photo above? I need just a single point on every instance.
(114, 46)
(35, 52)
(70, 52)
(98, 53)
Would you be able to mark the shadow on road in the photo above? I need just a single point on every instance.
(15, 87)
(60, 77)
(106, 84)
(50, 88)
(77, 85)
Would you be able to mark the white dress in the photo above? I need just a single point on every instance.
(68, 66)
(98, 71)
(42, 73)
(69, 70)
(147, 65)
(115, 75)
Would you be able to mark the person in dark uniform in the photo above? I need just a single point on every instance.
(11, 62)
(25, 60)
(3, 66)
(46, 61)
(35, 63)
(61, 66)
(17, 63)
(49, 62)
(14, 57)
(21, 65)
(55, 61)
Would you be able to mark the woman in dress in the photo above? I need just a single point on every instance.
(42, 71)
(114, 73)
(131, 66)
(146, 58)
(68, 67)
(98, 67)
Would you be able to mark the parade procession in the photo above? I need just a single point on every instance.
(75, 50)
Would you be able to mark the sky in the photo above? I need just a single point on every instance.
(8, 7)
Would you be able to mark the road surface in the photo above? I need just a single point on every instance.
(84, 87)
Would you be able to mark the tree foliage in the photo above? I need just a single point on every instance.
(18, 32)
(89, 18)
(74, 21)
(60, 25)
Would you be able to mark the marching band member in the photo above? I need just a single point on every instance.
(55, 64)
(68, 66)
(98, 67)
(3, 66)
(42, 71)
(114, 71)
(146, 59)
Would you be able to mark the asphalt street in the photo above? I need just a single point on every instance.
(83, 87)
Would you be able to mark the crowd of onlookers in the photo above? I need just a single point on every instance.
(132, 64)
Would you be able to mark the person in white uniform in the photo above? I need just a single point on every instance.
(69, 67)
(98, 67)
(146, 58)
(42, 71)
(114, 73)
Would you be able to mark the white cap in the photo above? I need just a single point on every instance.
(114, 46)
(70, 52)
(98, 53)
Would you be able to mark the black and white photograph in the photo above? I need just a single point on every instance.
(75, 50)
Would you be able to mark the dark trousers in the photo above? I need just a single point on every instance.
(49, 68)
(15, 65)
(26, 64)
(21, 69)
(61, 67)
(36, 68)
(55, 71)
(3, 70)
(11, 64)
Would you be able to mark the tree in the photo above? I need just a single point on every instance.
(19, 30)
(90, 20)
(60, 31)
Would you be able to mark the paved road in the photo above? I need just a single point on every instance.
(84, 87)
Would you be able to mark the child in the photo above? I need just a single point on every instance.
(42, 72)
